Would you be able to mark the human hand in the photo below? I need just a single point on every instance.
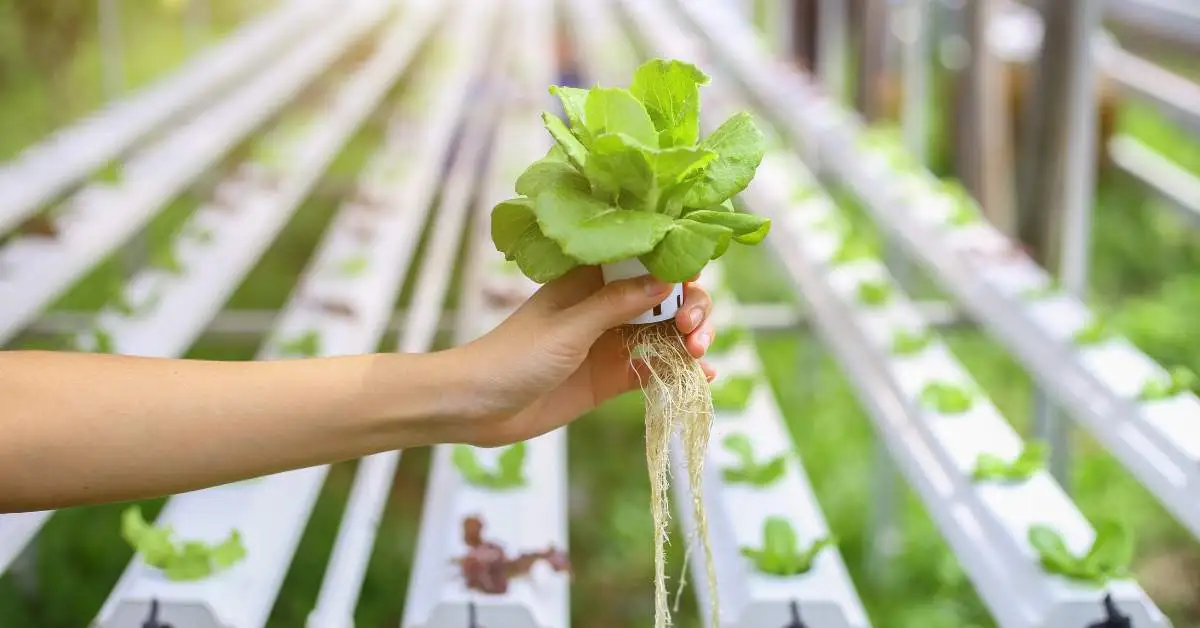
(561, 353)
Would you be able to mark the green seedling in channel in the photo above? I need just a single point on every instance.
(186, 561)
(1095, 332)
(165, 259)
(1108, 559)
(509, 472)
(733, 394)
(353, 266)
(856, 248)
(120, 303)
(101, 341)
(964, 210)
(110, 174)
(1037, 293)
(874, 292)
(989, 467)
(305, 345)
(905, 342)
(780, 554)
(805, 192)
(946, 398)
(1180, 380)
(831, 222)
(748, 470)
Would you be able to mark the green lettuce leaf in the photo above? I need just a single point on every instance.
(573, 99)
(739, 146)
(746, 228)
(510, 219)
(670, 91)
(615, 110)
(575, 152)
(686, 248)
(540, 258)
(593, 232)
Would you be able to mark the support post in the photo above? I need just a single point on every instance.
(831, 44)
(112, 65)
(197, 22)
(1057, 218)
(992, 144)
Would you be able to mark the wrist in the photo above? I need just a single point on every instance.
(433, 398)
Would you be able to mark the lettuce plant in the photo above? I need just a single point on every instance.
(630, 177)
(119, 302)
(905, 342)
(946, 398)
(964, 211)
(748, 470)
(353, 266)
(306, 345)
(1038, 293)
(805, 192)
(1180, 380)
(102, 341)
(1108, 559)
(874, 292)
(831, 222)
(887, 140)
(856, 248)
(733, 394)
(165, 259)
(1094, 333)
(509, 472)
(111, 173)
(189, 560)
(991, 467)
(781, 554)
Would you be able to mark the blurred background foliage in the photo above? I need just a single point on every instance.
(1146, 273)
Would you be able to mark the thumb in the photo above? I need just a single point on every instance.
(616, 303)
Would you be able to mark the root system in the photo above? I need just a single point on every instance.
(678, 403)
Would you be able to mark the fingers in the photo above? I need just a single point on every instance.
(697, 342)
(571, 288)
(692, 320)
(709, 372)
(614, 304)
(696, 307)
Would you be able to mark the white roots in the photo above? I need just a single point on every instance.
(677, 402)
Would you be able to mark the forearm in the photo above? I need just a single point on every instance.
(84, 428)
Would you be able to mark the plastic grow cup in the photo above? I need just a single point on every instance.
(630, 268)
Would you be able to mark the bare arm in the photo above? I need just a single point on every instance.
(81, 428)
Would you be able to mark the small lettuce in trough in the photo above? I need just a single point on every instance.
(632, 187)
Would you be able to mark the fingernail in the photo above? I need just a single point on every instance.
(704, 338)
(655, 286)
(695, 315)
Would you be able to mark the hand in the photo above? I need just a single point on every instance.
(561, 354)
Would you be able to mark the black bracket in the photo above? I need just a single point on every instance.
(1113, 616)
(796, 622)
(472, 619)
(152, 621)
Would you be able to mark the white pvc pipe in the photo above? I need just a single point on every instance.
(630, 268)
